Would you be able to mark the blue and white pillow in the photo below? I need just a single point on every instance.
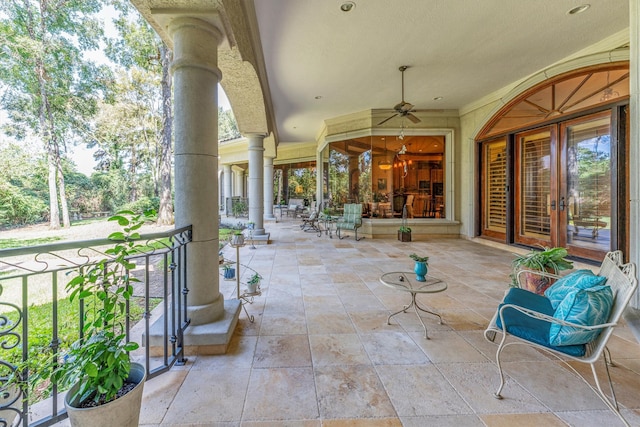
(576, 280)
(585, 307)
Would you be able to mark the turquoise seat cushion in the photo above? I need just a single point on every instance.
(586, 307)
(576, 280)
(529, 328)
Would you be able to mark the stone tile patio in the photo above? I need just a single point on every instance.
(321, 354)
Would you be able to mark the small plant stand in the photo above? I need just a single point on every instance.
(244, 297)
(251, 227)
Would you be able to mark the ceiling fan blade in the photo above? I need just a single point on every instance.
(387, 119)
(413, 118)
(406, 106)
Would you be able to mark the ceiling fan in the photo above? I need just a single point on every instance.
(403, 109)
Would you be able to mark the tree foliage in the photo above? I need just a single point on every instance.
(55, 97)
(50, 88)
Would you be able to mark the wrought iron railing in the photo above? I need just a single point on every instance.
(31, 277)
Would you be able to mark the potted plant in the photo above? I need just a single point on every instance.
(551, 260)
(229, 272)
(237, 238)
(420, 267)
(106, 387)
(254, 283)
(404, 233)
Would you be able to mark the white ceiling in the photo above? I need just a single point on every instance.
(460, 50)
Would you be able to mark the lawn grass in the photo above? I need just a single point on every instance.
(41, 319)
(21, 243)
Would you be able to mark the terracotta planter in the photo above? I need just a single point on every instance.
(122, 412)
(536, 283)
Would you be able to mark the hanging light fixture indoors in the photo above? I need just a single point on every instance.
(385, 164)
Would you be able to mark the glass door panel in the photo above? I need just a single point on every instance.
(586, 221)
(494, 189)
(534, 174)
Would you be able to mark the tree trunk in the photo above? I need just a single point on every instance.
(47, 140)
(165, 214)
(66, 221)
(54, 213)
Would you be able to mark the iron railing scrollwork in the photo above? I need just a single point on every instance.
(28, 275)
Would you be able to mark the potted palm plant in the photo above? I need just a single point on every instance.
(106, 387)
(551, 260)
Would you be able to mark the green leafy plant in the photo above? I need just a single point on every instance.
(417, 258)
(255, 279)
(99, 362)
(552, 260)
(404, 229)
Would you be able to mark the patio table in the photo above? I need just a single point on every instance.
(406, 282)
(328, 221)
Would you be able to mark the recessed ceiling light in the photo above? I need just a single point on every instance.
(578, 9)
(437, 98)
(347, 6)
(319, 97)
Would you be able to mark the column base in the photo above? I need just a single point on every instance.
(262, 239)
(209, 338)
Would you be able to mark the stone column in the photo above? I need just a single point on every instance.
(238, 188)
(319, 180)
(256, 182)
(268, 188)
(195, 81)
(228, 181)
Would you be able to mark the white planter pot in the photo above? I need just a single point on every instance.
(252, 288)
(122, 412)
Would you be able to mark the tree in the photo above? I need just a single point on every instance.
(140, 47)
(227, 125)
(51, 89)
(125, 135)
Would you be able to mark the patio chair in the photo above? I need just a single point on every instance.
(310, 222)
(573, 321)
(351, 220)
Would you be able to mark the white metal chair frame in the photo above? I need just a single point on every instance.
(623, 281)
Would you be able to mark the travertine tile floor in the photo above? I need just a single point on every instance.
(321, 354)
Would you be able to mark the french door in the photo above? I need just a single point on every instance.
(563, 186)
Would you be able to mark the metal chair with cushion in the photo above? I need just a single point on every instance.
(351, 220)
(572, 321)
(310, 222)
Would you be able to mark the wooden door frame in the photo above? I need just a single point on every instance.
(562, 240)
(518, 237)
